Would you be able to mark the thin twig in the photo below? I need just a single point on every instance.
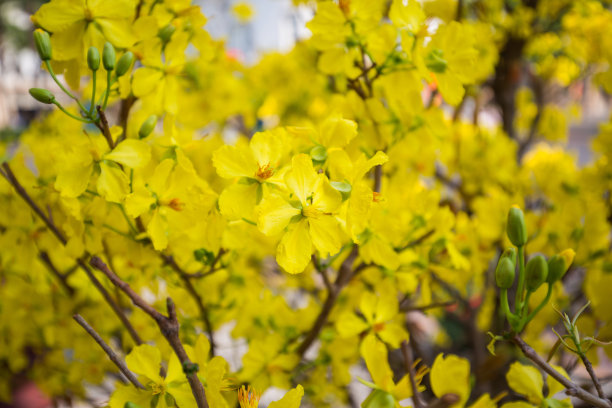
(589, 368)
(10, 176)
(102, 124)
(168, 326)
(416, 241)
(410, 308)
(109, 352)
(444, 401)
(44, 257)
(409, 367)
(345, 274)
(571, 388)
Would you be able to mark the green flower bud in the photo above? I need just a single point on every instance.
(510, 253)
(147, 127)
(435, 62)
(124, 63)
(108, 56)
(93, 58)
(559, 264)
(536, 273)
(43, 44)
(130, 404)
(42, 95)
(379, 399)
(318, 154)
(504, 273)
(343, 187)
(165, 33)
(516, 228)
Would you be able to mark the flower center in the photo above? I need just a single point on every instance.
(311, 212)
(158, 388)
(176, 204)
(264, 172)
(88, 15)
(248, 397)
(378, 327)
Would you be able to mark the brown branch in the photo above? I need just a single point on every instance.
(109, 352)
(416, 241)
(10, 176)
(589, 368)
(197, 299)
(44, 257)
(168, 326)
(344, 276)
(444, 401)
(408, 365)
(571, 388)
(102, 124)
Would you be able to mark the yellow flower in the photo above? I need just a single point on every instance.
(145, 360)
(256, 168)
(527, 381)
(248, 397)
(307, 219)
(379, 313)
(78, 24)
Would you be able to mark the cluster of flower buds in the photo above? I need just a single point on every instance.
(120, 67)
(531, 275)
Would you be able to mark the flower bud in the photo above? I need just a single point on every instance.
(536, 273)
(42, 95)
(108, 56)
(147, 127)
(516, 228)
(43, 44)
(379, 399)
(165, 33)
(343, 187)
(504, 273)
(124, 63)
(93, 58)
(435, 62)
(318, 154)
(131, 404)
(559, 264)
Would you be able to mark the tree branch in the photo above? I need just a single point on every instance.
(571, 388)
(168, 326)
(44, 257)
(408, 365)
(109, 352)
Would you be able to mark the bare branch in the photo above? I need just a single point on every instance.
(408, 366)
(109, 352)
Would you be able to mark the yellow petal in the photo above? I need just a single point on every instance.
(292, 399)
(131, 152)
(337, 132)
(555, 386)
(138, 202)
(526, 380)
(118, 32)
(450, 87)
(57, 15)
(451, 375)
(238, 201)
(234, 161)
(325, 198)
(157, 231)
(326, 235)
(301, 179)
(375, 355)
(129, 393)
(145, 360)
(267, 148)
(145, 81)
(113, 183)
(350, 325)
(393, 334)
(274, 215)
(294, 250)
(73, 182)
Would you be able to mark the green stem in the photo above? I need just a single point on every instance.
(540, 306)
(56, 103)
(518, 302)
(66, 91)
(108, 85)
(93, 94)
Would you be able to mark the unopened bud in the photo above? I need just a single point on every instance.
(108, 56)
(124, 63)
(318, 154)
(559, 264)
(93, 58)
(516, 228)
(42, 95)
(343, 187)
(131, 404)
(504, 273)
(147, 127)
(536, 273)
(379, 399)
(43, 44)
(165, 33)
